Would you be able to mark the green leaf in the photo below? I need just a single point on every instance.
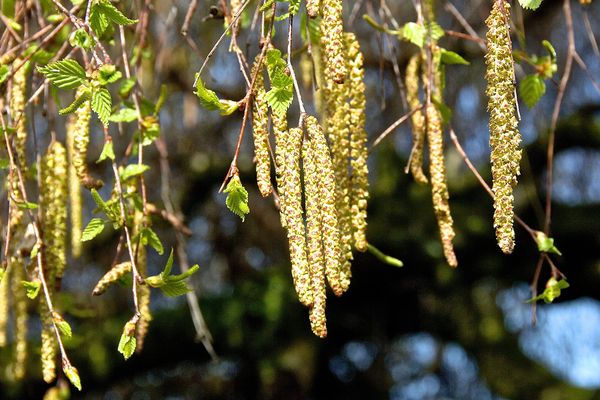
(281, 94)
(108, 73)
(546, 244)
(237, 197)
(32, 288)
(62, 325)
(174, 289)
(435, 31)
(414, 33)
(93, 229)
(103, 13)
(4, 71)
(208, 98)
(552, 290)
(65, 74)
(133, 170)
(530, 4)
(550, 49)
(228, 107)
(127, 342)
(445, 111)
(107, 152)
(26, 205)
(102, 104)
(171, 285)
(80, 38)
(125, 114)
(531, 89)
(279, 100)
(450, 57)
(149, 237)
(85, 96)
(384, 257)
(35, 250)
(161, 99)
(98, 200)
(73, 375)
(126, 87)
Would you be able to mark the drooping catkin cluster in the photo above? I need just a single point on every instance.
(4, 304)
(312, 8)
(113, 275)
(19, 309)
(18, 114)
(75, 198)
(439, 189)
(411, 82)
(505, 138)
(332, 40)
(260, 125)
(143, 291)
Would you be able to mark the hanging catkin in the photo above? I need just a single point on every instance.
(331, 233)
(4, 304)
(260, 126)
(411, 82)
(113, 275)
(358, 143)
(312, 8)
(75, 199)
(49, 347)
(143, 291)
(19, 309)
(505, 138)
(295, 221)
(439, 189)
(18, 114)
(314, 240)
(332, 39)
(281, 134)
(79, 125)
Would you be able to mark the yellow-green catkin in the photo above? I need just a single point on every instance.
(79, 125)
(312, 8)
(54, 194)
(260, 125)
(294, 216)
(439, 188)
(18, 114)
(358, 144)
(113, 275)
(332, 29)
(49, 347)
(4, 304)
(19, 309)
(411, 82)
(75, 198)
(327, 190)
(505, 138)
(314, 240)
(281, 134)
(143, 291)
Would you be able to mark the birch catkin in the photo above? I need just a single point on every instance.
(17, 111)
(439, 189)
(505, 138)
(260, 123)
(75, 199)
(4, 304)
(281, 134)
(113, 275)
(332, 39)
(411, 81)
(20, 317)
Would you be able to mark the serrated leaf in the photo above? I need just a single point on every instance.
(125, 114)
(450, 57)
(62, 325)
(208, 98)
(133, 170)
(108, 73)
(171, 285)
(384, 257)
(530, 4)
(107, 152)
(4, 71)
(99, 201)
(93, 229)
(435, 31)
(414, 33)
(149, 237)
(127, 342)
(73, 375)
(102, 104)
(531, 89)
(174, 289)
(85, 96)
(103, 13)
(65, 74)
(80, 38)
(32, 289)
(237, 197)
(279, 100)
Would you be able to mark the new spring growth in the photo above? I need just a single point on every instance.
(505, 138)
(171, 285)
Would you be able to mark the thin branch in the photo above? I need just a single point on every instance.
(391, 128)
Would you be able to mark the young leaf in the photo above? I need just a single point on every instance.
(107, 152)
(62, 325)
(237, 197)
(171, 285)
(72, 374)
(127, 342)
(149, 237)
(281, 94)
(384, 257)
(93, 229)
(126, 87)
(108, 73)
(85, 96)
(26, 205)
(530, 4)
(113, 14)
(66, 74)
(32, 289)
(208, 98)
(4, 71)
(101, 104)
(546, 244)
(552, 291)
(414, 33)
(450, 57)
(531, 89)
(133, 170)
(125, 114)
(80, 38)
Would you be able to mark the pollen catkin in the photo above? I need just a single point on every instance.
(314, 240)
(332, 39)
(505, 138)
(143, 290)
(295, 221)
(75, 199)
(4, 304)
(327, 190)
(79, 123)
(358, 144)
(17, 111)
(113, 275)
(312, 8)
(54, 209)
(439, 189)
(19, 309)
(49, 347)
(281, 138)
(260, 124)
(411, 82)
